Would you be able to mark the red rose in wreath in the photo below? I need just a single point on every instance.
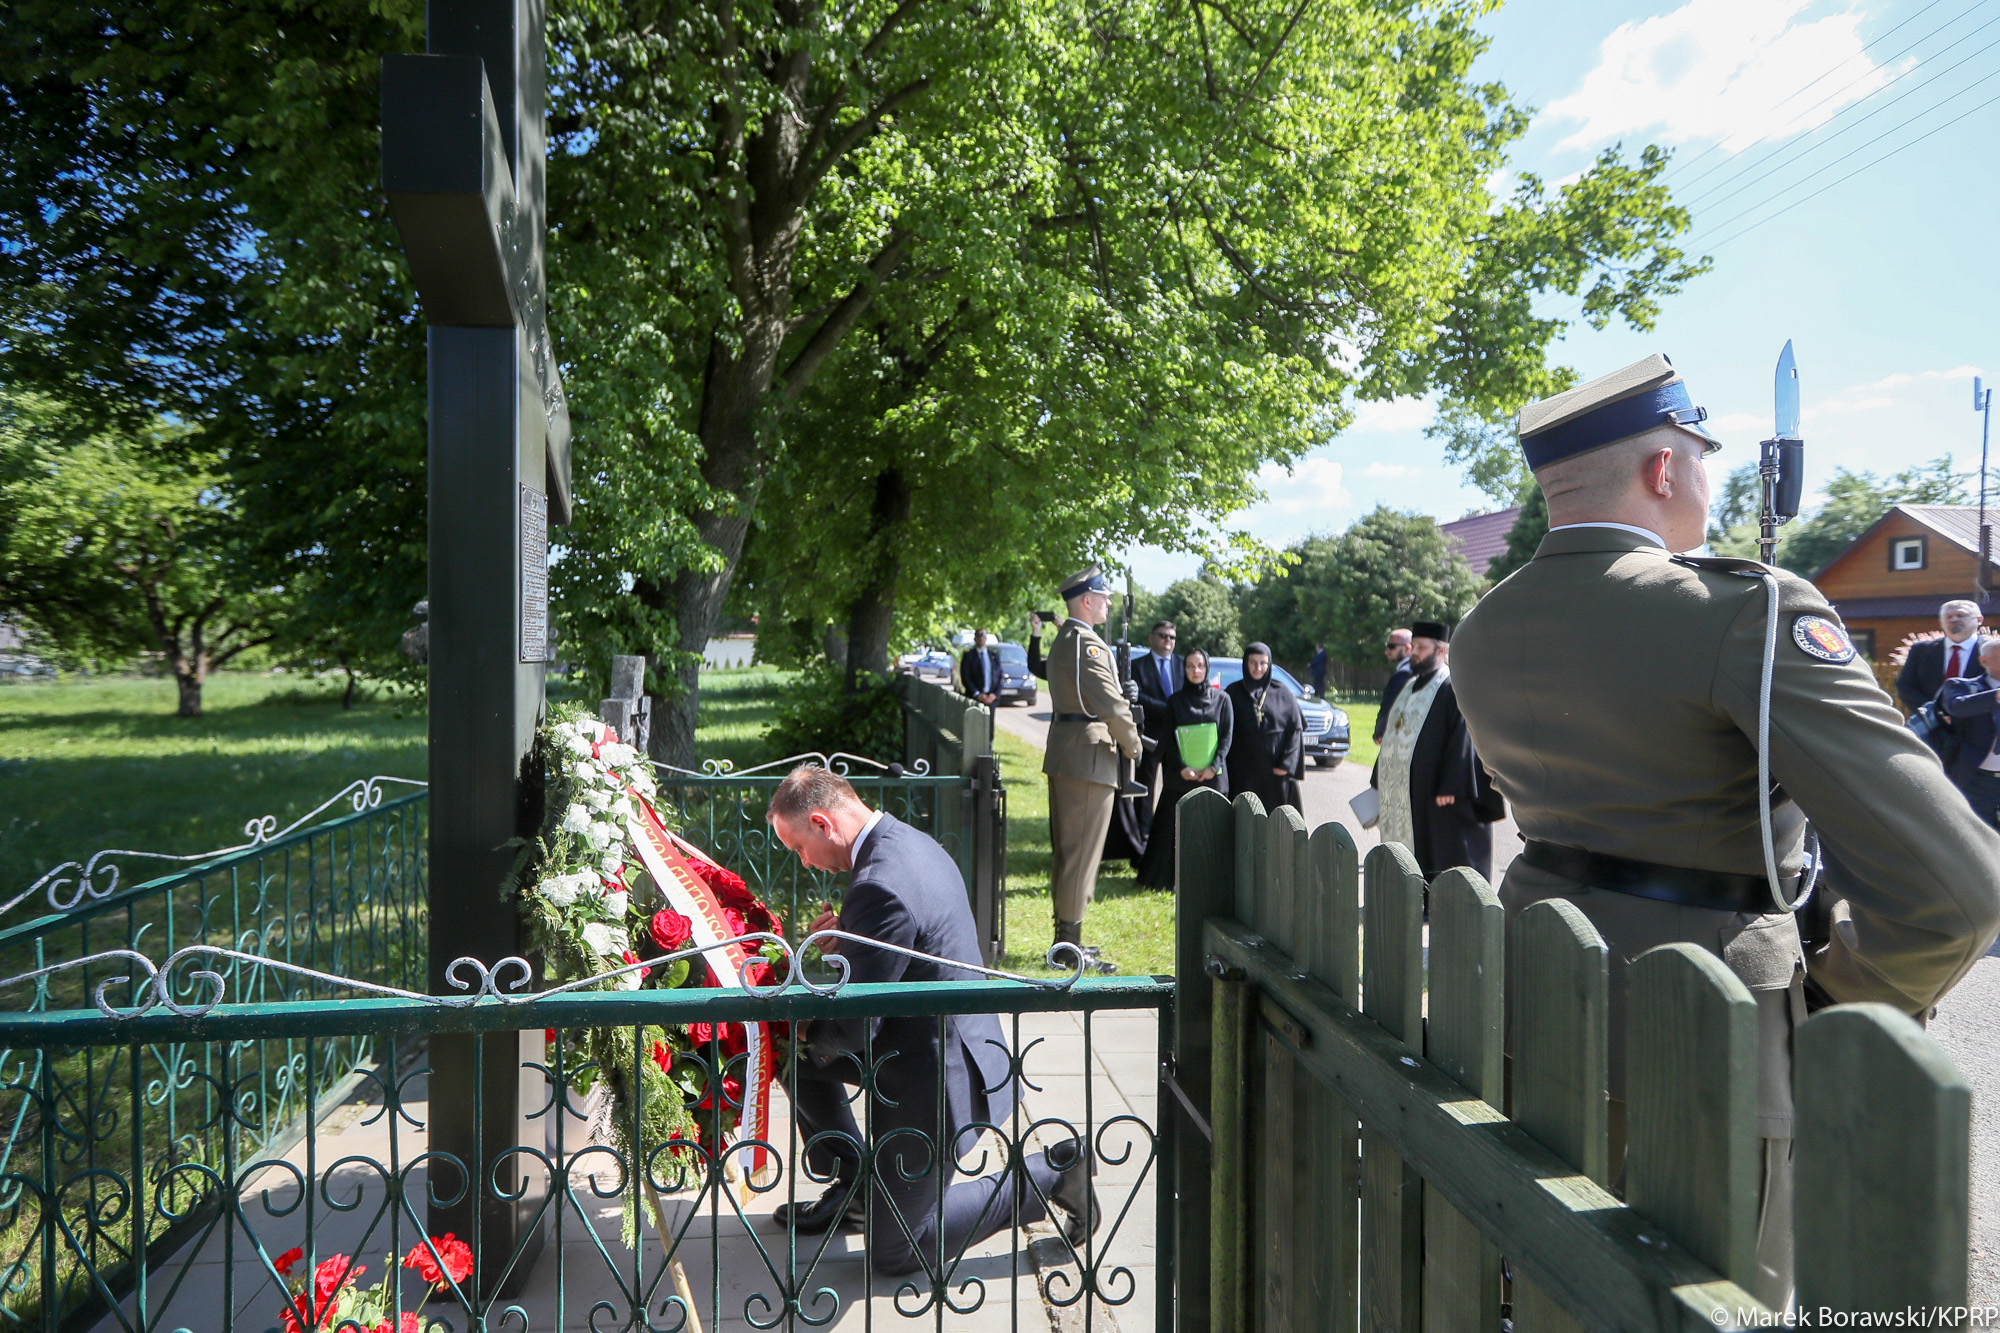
(727, 885)
(671, 930)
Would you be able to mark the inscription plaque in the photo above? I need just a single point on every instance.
(534, 575)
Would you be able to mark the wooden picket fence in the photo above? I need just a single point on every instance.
(1350, 1164)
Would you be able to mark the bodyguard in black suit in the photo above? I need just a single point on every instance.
(1397, 650)
(1158, 682)
(979, 670)
(906, 892)
(1975, 727)
(1929, 663)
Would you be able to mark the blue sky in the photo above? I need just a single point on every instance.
(1885, 282)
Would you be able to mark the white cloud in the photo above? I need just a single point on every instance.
(1388, 470)
(1396, 414)
(1728, 70)
(1314, 485)
(1899, 379)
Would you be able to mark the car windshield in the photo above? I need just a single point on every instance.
(1014, 653)
(1226, 671)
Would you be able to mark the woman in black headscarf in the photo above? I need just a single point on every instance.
(1268, 753)
(1196, 704)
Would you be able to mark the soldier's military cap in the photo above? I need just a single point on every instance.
(1608, 409)
(1088, 579)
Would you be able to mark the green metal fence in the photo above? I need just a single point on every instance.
(342, 899)
(93, 1213)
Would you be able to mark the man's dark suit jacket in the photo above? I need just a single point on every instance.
(1155, 689)
(1397, 680)
(1922, 675)
(968, 671)
(906, 890)
(1970, 700)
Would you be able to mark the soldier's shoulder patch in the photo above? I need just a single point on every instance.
(1819, 637)
(1094, 651)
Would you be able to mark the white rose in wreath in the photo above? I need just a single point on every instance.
(603, 834)
(576, 819)
(597, 800)
(612, 862)
(615, 904)
(605, 940)
(618, 754)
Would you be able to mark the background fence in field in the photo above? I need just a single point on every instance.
(1366, 1169)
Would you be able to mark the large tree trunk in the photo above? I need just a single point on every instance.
(871, 616)
(188, 677)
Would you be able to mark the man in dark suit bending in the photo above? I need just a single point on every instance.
(1934, 661)
(906, 892)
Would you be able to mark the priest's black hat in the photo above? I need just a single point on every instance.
(1430, 629)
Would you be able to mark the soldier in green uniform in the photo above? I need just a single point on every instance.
(1634, 778)
(1091, 727)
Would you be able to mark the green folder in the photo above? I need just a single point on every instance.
(1198, 744)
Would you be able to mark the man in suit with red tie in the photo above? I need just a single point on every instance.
(1934, 661)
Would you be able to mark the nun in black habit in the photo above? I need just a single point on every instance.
(1445, 803)
(1267, 754)
(1195, 703)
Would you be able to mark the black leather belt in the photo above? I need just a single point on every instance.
(1074, 717)
(1716, 890)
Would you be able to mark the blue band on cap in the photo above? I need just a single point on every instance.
(1635, 415)
(1095, 583)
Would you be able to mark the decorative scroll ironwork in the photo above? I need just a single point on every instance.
(363, 794)
(839, 761)
(209, 1217)
(723, 814)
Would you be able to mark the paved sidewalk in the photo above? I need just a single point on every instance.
(992, 1289)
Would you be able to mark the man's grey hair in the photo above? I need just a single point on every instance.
(1957, 603)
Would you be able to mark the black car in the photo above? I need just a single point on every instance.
(1017, 685)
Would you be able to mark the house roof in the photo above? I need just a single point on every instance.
(1957, 524)
(1482, 538)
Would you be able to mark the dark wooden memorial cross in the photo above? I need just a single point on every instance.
(463, 164)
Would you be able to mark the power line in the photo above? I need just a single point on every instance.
(1872, 93)
(1985, 78)
(1784, 160)
(1689, 163)
(1852, 174)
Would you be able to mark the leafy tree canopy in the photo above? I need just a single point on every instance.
(112, 546)
(1854, 501)
(1349, 591)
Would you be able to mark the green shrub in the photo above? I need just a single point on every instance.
(817, 713)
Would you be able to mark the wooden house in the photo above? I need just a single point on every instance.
(1890, 582)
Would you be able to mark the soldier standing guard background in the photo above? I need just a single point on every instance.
(1635, 781)
(1091, 727)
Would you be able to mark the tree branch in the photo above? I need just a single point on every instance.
(842, 318)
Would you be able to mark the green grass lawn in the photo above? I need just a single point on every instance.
(1133, 925)
(1360, 726)
(103, 762)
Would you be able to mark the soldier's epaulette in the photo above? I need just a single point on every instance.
(1724, 564)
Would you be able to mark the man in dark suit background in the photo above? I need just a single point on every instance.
(906, 892)
(1970, 701)
(1157, 674)
(1397, 650)
(1934, 661)
(979, 670)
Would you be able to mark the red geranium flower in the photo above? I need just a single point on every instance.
(332, 1275)
(455, 1253)
(283, 1263)
(663, 1056)
(671, 930)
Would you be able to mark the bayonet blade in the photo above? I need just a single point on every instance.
(1787, 395)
